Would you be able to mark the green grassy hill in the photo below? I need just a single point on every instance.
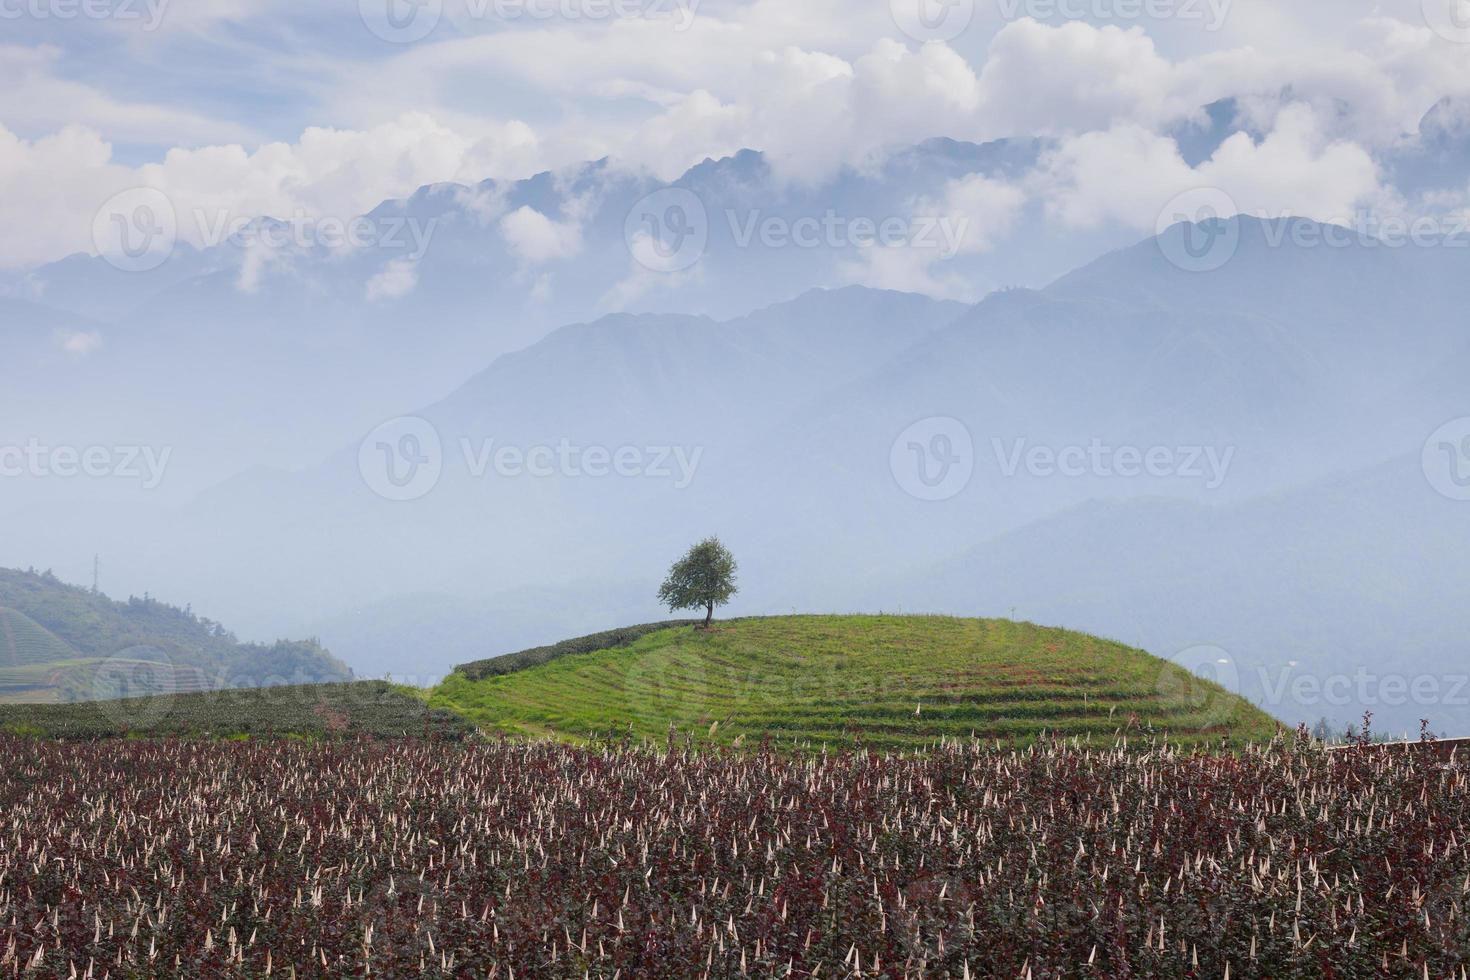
(62, 643)
(885, 681)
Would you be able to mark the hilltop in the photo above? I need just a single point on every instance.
(883, 681)
(59, 642)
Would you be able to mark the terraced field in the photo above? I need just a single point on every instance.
(884, 681)
(37, 666)
(23, 641)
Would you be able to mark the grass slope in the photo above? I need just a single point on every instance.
(373, 709)
(884, 681)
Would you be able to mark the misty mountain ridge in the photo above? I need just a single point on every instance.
(319, 341)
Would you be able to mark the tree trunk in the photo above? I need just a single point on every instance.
(709, 614)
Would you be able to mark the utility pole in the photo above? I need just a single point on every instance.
(96, 574)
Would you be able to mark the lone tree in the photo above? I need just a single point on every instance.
(704, 578)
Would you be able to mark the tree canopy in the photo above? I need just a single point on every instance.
(703, 579)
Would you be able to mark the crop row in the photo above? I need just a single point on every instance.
(209, 859)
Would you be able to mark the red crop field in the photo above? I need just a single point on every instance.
(145, 859)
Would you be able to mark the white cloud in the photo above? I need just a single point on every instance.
(258, 257)
(485, 201)
(327, 171)
(201, 15)
(37, 99)
(395, 280)
(1124, 174)
(535, 238)
(818, 85)
(1127, 174)
(987, 207)
(696, 127)
(811, 112)
(815, 85)
(975, 214)
(54, 186)
(646, 276)
(908, 270)
(1075, 77)
(541, 289)
(79, 343)
(1296, 170)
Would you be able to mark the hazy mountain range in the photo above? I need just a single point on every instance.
(1232, 458)
(284, 333)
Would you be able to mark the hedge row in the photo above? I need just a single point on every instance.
(536, 656)
(367, 709)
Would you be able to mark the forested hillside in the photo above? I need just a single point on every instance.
(59, 642)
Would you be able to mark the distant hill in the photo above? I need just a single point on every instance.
(882, 681)
(59, 642)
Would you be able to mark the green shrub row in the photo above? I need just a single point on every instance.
(536, 656)
(368, 709)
